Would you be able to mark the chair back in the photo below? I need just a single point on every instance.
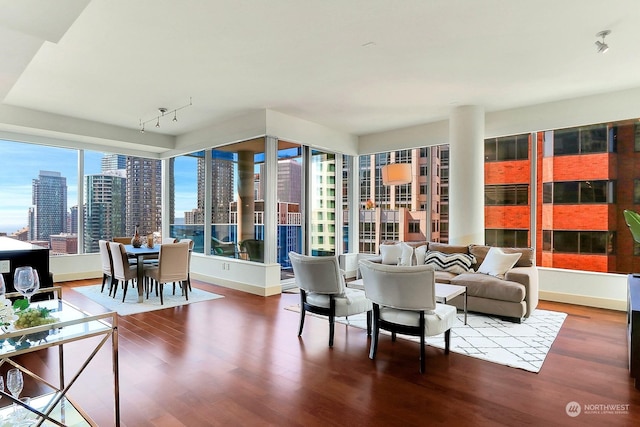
(105, 257)
(633, 222)
(173, 262)
(123, 240)
(401, 287)
(317, 274)
(166, 240)
(254, 248)
(120, 260)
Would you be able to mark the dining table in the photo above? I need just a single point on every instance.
(140, 254)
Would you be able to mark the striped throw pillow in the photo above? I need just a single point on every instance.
(455, 263)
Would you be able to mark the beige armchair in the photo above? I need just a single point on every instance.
(404, 301)
(107, 264)
(173, 265)
(323, 291)
(122, 270)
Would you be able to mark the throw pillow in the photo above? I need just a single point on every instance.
(497, 263)
(407, 254)
(390, 254)
(421, 252)
(455, 263)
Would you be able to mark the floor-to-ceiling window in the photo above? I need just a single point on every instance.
(289, 203)
(39, 195)
(187, 183)
(584, 179)
(322, 210)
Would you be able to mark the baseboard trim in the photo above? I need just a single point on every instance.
(67, 277)
(239, 286)
(596, 302)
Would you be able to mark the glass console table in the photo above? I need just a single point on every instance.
(55, 408)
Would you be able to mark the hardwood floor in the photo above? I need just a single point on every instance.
(238, 361)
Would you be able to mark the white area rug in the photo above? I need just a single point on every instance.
(131, 305)
(519, 345)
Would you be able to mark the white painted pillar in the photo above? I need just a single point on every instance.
(466, 175)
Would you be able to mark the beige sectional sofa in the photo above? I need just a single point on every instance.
(513, 295)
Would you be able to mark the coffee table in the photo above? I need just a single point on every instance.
(444, 292)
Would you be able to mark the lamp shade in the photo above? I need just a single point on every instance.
(396, 174)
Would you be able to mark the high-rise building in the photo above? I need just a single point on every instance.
(143, 195)
(112, 162)
(62, 244)
(105, 207)
(72, 221)
(49, 193)
(222, 177)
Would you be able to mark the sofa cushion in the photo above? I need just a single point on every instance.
(497, 263)
(483, 286)
(391, 253)
(420, 252)
(447, 248)
(480, 252)
(444, 276)
(453, 263)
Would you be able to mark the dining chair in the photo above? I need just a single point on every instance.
(254, 249)
(191, 245)
(122, 270)
(107, 264)
(173, 264)
(632, 219)
(125, 241)
(404, 301)
(323, 291)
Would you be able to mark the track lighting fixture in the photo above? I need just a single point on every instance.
(601, 46)
(164, 112)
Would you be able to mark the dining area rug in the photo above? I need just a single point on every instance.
(518, 345)
(131, 304)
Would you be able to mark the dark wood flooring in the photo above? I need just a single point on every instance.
(238, 361)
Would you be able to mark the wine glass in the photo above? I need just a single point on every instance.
(25, 281)
(15, 382)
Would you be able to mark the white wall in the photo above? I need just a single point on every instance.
(602, 290)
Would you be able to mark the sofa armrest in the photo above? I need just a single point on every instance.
(528, 277)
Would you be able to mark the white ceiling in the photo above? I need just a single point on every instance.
(357, 66)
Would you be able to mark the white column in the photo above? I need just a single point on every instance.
(270, 218)
(466, 175)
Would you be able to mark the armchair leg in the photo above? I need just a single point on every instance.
(447, 340)
(376, 331)
(331, 329)
(369, 323)
(422, 353)
(302, 312)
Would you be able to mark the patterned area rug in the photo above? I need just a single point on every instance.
(523, 346)
(131, 305)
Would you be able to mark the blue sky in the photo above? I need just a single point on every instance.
(21, 163)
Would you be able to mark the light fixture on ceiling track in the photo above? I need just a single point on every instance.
(396, 174)
(162, 113)
(601, 45)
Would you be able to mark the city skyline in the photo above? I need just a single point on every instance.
(21, 163)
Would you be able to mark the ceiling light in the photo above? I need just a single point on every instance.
(164, 112)
(601, 45)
